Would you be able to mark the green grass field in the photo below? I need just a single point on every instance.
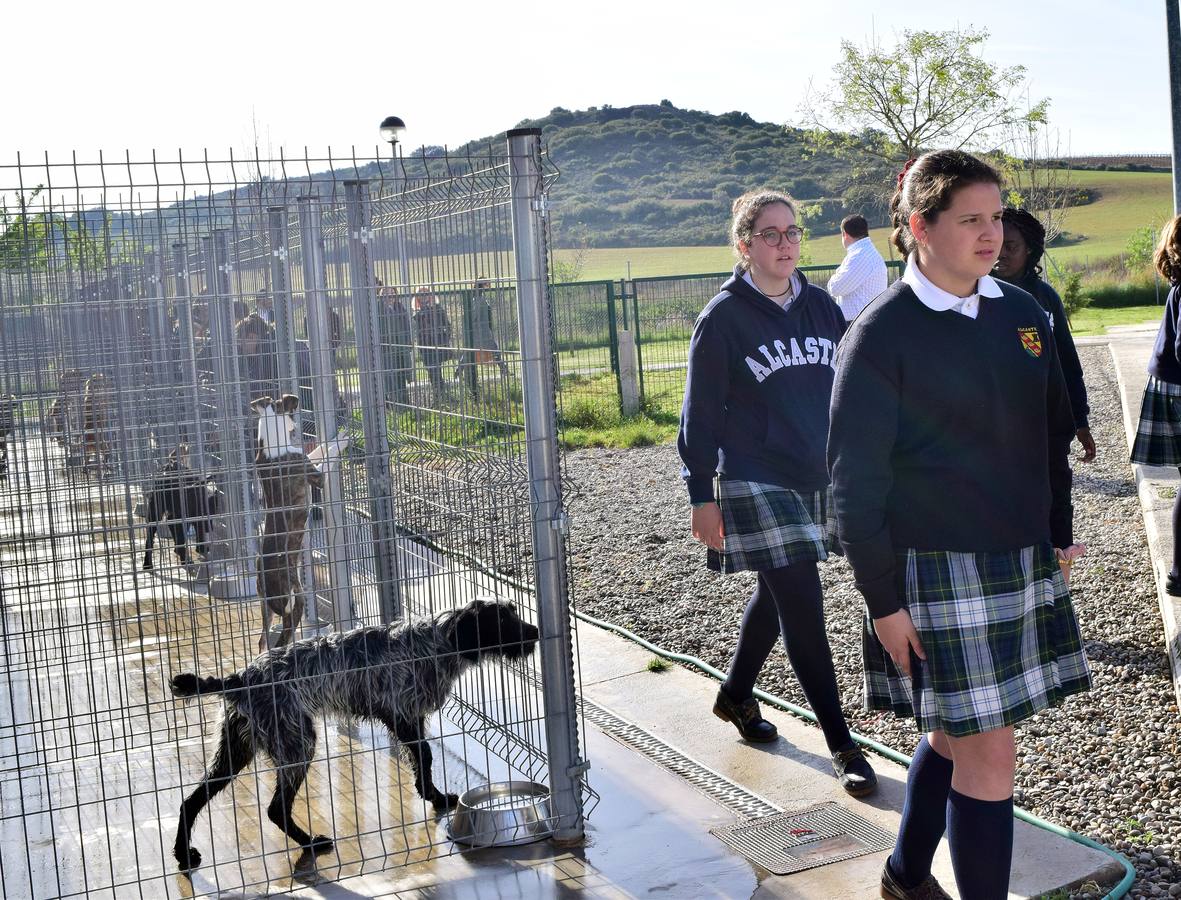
(1096, 320)
(1127, 201)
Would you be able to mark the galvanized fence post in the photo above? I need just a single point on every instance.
(234, 581)
(549, 518)
(164, 400)
(279, 242)
(127, 431)
(187, 350)
(613, 341)
(315, 280)
(635, 298)
(371, 366)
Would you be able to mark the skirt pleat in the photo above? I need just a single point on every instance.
(1001, 639)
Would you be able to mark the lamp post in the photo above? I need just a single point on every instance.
(391, 129)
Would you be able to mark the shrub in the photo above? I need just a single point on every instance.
(1140, 247)
(1110, 289)
(1072, 294)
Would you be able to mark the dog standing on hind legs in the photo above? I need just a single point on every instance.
(285, 472)
(396, 675)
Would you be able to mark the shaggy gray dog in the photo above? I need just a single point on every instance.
(397, 675)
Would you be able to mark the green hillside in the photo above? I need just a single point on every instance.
(1125, 201)
(658, 176)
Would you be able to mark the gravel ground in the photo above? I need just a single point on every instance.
(1105, 764)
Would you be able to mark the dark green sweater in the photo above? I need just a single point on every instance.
(947, 434)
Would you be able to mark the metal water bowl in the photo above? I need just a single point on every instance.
(502, 814)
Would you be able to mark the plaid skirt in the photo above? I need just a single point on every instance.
(1000, 635)
(1158, 435)
(769, 527)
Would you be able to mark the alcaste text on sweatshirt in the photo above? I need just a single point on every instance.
(947, 434)
(758, 388)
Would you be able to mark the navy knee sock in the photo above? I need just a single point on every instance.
(980, 833)
(924, 815)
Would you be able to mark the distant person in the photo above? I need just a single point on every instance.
(484, 346)
(433, 328)
(397, 349)
(861, 275)
(1158, 436)
(258, 364)
(264, 305)
(1019, 264)
(948, 410)
(755, 419)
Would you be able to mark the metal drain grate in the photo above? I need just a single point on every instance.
(792, 842)
(719, 788)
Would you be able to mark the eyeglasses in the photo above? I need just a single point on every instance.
(773, 237)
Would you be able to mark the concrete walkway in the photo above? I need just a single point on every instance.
(651, 832)
(1131, 348)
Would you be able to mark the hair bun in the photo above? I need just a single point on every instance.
(905, 168)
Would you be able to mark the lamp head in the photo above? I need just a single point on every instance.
(391, 129)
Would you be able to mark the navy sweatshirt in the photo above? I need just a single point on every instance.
(758, 388)
(947, 434)
(1166, 354)
(1072, 369)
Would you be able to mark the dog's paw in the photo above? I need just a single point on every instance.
(444, 802)
(188, 859)
(321, 843)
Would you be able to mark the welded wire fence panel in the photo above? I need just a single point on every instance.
(587, 343)
(661, 312)
(150, 527)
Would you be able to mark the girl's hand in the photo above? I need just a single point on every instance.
(897, 634)
(707, 525)
(1067, 557)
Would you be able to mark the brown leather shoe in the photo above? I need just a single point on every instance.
(854, 772)
(747, 718)
(928, 889)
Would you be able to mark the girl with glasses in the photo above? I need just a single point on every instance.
(755, 420)
(949, 422)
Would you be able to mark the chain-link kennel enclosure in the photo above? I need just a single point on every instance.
(144, 307)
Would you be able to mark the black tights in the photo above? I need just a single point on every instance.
(1176, 570)
(790, 601)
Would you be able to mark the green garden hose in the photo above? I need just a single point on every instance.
(1116, 892)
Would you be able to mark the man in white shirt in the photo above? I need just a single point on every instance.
(862, 274)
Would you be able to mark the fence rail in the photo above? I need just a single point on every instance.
(659, 312)
(406, 309)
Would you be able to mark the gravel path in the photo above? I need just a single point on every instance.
(1106, 764)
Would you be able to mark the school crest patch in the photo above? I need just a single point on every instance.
(1031, 341)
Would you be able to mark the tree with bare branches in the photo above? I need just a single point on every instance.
(1039, 180)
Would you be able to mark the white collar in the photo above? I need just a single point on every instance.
(859, 243)
(940, 300)
(793, 289)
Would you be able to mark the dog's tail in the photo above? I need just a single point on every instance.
(187, 684)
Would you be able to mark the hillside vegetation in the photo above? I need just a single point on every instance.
(1124, 202)
(658, 176)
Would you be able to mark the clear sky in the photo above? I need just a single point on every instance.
(139, 76)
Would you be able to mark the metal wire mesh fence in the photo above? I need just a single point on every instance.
(333, 398)
(659, 314)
